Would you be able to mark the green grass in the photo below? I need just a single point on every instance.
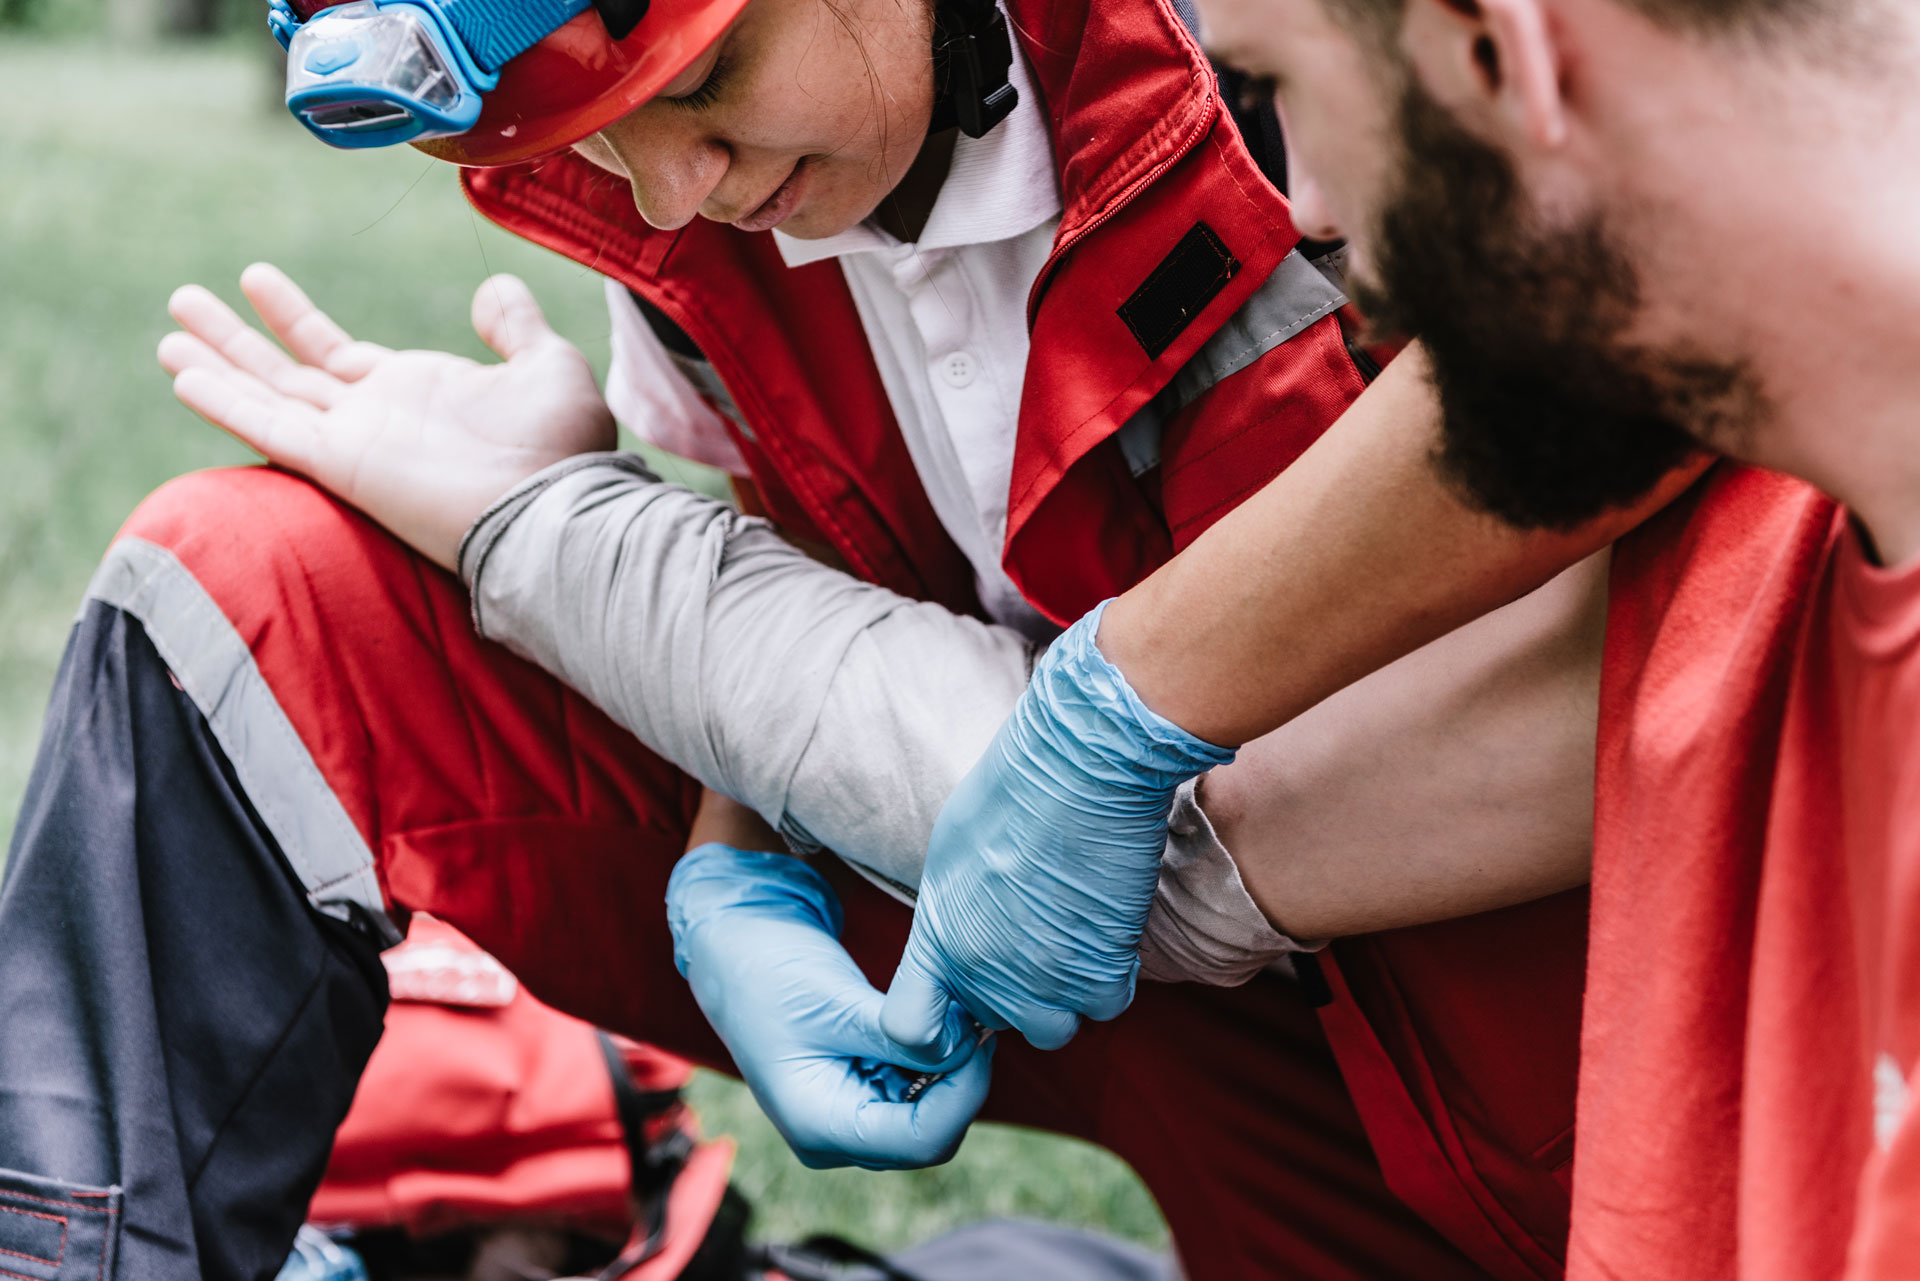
(1002, 1172)
(123, 175)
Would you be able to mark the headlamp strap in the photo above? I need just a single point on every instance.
(972, 53)
(493, 31)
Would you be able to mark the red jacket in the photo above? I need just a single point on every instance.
(820, 436)
(1169, 231)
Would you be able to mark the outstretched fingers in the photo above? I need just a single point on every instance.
(309, 333)
(283, 430)
(214, 323)
(180, 351)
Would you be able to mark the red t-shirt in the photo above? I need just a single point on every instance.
(1753, 999)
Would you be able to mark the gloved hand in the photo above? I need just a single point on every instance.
(757, 937)
(1043, 863)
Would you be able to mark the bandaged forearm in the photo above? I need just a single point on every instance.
(841, 712)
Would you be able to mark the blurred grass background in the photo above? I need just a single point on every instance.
(126, 170)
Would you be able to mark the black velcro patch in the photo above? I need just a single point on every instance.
(1176, 291)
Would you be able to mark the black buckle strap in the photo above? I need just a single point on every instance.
(654, 1165)
(972, 53)
(621, 16)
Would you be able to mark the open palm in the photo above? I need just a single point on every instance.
(422, 441)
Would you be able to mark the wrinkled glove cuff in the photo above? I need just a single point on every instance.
(1089, 699)
(714, 879)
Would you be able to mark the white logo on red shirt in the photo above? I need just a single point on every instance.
(1891, 1097)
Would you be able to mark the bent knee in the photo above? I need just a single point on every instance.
(260, 508)
(252, 524)
(273, 550)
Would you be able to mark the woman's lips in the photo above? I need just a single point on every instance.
(774, 210)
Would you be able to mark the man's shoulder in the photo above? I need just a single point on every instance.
(1727, 568)
(1707, 608)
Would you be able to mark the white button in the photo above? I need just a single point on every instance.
(959, 369)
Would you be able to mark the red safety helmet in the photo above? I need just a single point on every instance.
(577, 81)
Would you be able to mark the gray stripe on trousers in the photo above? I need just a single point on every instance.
(217, 670)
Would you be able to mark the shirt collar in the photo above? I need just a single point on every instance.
(998, 187)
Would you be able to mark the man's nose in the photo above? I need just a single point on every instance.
(1308, 201)
(673, 169)
(1311, 213)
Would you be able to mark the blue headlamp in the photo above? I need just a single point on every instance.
(375, 73)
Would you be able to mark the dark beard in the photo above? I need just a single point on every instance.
(1549, 418)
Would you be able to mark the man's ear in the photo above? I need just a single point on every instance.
(1494, 63)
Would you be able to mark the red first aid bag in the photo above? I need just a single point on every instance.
(484, 1109)
(494, 1137)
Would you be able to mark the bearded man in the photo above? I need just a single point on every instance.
(1581, 206)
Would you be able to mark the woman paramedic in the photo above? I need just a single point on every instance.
(1072, 332)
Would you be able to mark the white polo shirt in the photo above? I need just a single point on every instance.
(946, 318)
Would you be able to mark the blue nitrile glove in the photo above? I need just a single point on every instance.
(1043, 864)
(757, 937)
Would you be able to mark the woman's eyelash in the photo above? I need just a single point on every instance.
(709, 89)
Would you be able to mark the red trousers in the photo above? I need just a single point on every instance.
(500, 801)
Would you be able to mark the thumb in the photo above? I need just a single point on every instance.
(507, 318)
(1110, 1000)
(915, 1011)
(955, 1044)
(1046, 1028)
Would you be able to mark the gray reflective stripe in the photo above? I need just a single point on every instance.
(1296, 296)
(216, 669)
(1333, 265)
(1139, 438)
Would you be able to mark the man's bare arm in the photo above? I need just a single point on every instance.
(1357, 554)
(1456, 780)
